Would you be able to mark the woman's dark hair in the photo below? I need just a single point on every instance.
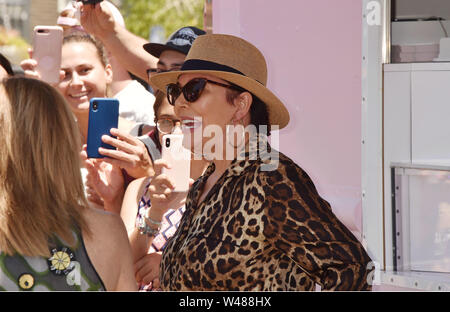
(259, 115)
(4, 62)
(159, 98)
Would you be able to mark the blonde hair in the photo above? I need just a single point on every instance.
(41, 189)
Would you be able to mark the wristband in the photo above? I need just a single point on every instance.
(144, 228)
(151, 221)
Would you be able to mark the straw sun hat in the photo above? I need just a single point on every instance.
(232, 59)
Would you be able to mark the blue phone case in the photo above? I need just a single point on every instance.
(103, 115)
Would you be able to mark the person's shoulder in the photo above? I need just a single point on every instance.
(136, 103)
(280, 168)
(140, 90)
(286, 163)
(107, 228)
(134, 90)
(126, 125)
(108, 247)
(275, 161)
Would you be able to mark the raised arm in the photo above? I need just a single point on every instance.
(109, 250)
(130, 205)
(124, 45)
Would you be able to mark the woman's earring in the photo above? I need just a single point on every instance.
(233, 130)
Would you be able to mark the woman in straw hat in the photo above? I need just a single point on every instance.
(253, 221)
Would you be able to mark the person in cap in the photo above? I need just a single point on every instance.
(254, 220)
(171, 55)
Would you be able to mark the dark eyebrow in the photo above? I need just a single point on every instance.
(85, 65)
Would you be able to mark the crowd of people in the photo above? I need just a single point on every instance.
(69, 222)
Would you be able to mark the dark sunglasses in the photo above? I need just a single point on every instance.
(193, 89)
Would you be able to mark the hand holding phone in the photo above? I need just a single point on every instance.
(179, 159)
(47, 45)
(103, 115)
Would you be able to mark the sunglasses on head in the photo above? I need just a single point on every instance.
(193, 89)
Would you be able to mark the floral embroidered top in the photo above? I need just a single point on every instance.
(68, 269)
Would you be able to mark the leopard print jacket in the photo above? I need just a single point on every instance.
(262, 231)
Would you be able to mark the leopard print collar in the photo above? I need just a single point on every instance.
(257, 149)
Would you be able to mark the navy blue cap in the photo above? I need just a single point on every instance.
(180, 41)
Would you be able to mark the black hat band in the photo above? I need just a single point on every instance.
(195, 64)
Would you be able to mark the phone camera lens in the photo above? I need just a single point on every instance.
(95, 106)
(167, 142)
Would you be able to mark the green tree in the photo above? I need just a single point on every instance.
(141, 15)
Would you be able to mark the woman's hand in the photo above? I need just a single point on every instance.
(106, 181)
(91, 194)
(29, 67)
(147, 269)
(131, 154)
(162, 196)
(97, 20)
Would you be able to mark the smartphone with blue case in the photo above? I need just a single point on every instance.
(103, 115)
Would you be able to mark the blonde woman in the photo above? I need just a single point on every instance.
(49, 238)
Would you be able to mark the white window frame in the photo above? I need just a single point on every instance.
(377, 223)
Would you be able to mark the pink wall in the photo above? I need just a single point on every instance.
(313, 51)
